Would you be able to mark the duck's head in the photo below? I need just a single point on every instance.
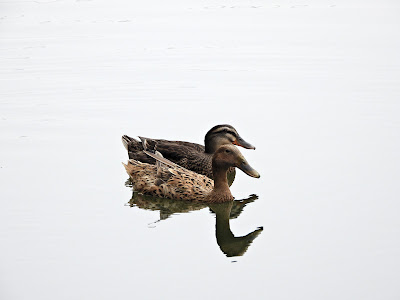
(229, 156)
(221, 135)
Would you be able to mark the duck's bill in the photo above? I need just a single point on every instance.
(245, 167)
(241, 142)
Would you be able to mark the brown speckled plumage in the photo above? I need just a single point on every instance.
(175, 182)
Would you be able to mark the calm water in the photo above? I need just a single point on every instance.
(314, 85)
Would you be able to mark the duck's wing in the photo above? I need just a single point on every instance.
(161, 159)
(159, 143)
(167, 179)
(179, 153)
(133, 145)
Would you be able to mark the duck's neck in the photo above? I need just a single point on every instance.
(210, 147)
(221, 192)
(220, 179)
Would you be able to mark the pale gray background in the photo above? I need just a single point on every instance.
(314, 85)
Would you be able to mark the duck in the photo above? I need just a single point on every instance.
(191, 156)
(169, 180)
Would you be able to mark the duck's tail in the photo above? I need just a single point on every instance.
(127, 168)
(126, 140)
(131, 165)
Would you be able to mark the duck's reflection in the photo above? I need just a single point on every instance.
(228, 243)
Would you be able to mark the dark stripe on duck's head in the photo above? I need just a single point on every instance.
(221, 135)
(224, 128)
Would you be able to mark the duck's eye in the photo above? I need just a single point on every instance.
(227, 151)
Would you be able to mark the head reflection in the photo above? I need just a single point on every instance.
(229, 244)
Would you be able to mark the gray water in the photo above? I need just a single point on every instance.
(314, 85)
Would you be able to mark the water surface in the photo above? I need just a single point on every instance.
(313, 85)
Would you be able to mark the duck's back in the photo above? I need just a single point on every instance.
(191, 156)
(173, 183)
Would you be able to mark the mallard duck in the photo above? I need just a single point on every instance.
(191, 156)
(169, 180)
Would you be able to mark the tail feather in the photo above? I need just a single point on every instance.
(159, 158)
(144, 142)
(134, 162)
(126, 168)
(126, 140)
(130, 166)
